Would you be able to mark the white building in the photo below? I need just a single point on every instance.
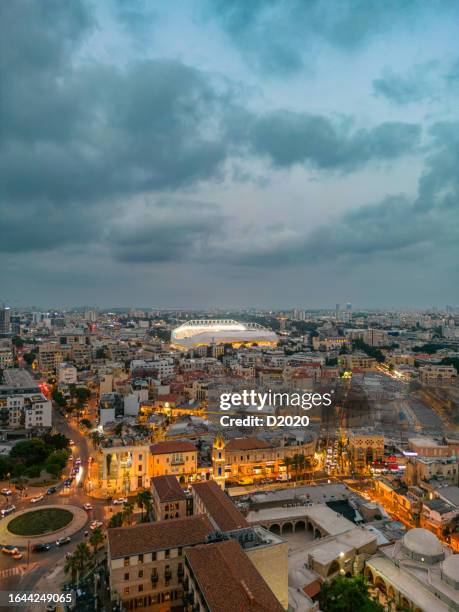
(66, 374)
(25, 411)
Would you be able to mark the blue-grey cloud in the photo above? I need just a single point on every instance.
(295, 138)
(279, 37)
(396, 226)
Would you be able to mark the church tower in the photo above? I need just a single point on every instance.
(218, 460)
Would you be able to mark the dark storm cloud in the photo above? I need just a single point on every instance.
(171, 230)
(77, 137)
(395, 227)
(295, 138)
(278, 36)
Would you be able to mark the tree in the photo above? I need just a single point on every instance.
(128, 512)
(77, 562)
(288, 463)
(59, 399)
(142, 500)
(86, 423)
(96, 539)
(347, 595)
(5, 467)
(116, 520)
(30, 357)
(95, 437)
(30, 452)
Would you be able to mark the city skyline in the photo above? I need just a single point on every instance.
(276, 154)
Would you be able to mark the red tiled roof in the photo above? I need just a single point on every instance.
(228, 580)
(148, 537)
(168, 488)
(245, 444)
(177, 446)
(218, 506)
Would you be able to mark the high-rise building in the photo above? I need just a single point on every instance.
(5, 320)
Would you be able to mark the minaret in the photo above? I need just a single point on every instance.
(218, 460)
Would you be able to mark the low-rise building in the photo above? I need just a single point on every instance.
(209, 499)
(169, 499)
(221, 578)
(178, 458)
(146, 561)
(437, 374)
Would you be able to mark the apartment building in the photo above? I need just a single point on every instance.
(178, 458)
(437, 374)
(430, 469)
(169, 499)
(220, 577)
(146, 561)
(66, 374)
(6, 354)
(26, 411)
(49, 357)
(209, 499)
(357, 360)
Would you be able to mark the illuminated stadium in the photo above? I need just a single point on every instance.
(221, 331)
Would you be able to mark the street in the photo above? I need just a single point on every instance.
(24, 575)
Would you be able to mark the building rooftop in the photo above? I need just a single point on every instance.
(167, 488)
(148, 537)
(18, 377)
(228, 580)
(219, 507)
(245, 444)
(177, 446)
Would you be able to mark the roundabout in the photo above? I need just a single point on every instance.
(42, 525)
(40, 522)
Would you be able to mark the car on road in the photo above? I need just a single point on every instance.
(63, 541)
(34, 500)
(8, 510)
(41, 547)
(68, 482)
(119, 501)
(87, 506)
(95, 525)
(6, 492)
(17, 556)
(9, 549)
(78, 461)
(72, 443)
(51, 490)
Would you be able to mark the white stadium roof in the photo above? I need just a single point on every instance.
(221, 331)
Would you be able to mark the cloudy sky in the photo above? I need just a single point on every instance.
(273, 153)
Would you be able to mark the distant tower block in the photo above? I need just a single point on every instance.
(337, 309)
(282, 322)
(349, 311)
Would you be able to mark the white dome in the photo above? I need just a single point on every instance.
(422, 543)
(450, 568)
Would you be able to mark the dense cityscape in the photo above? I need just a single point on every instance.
(120, 484)
(229, 306)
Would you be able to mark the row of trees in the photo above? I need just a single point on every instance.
(82, 559)
(29, 457)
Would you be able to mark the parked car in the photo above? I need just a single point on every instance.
(51, 490)
(6, 492)
(34, 500)
(41, 547)
(17, 556)
(87, 506)
(8, 510)
(95, 525)
(119, 501)
(63, 541)
(9, 549)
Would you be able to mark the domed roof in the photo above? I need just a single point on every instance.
(450, 567)
(422, 542)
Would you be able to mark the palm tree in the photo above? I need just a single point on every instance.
(143, 499)
(95, 437)
(128, 512)
(116, 520)
(71, 567)
(76, 563)
(148, 506)
(95, 539)
(288, 462)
